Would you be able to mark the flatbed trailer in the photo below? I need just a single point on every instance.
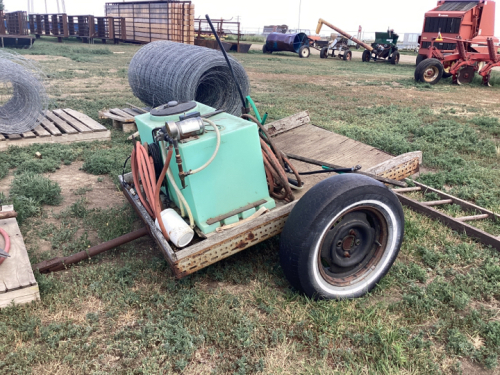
(294, 135)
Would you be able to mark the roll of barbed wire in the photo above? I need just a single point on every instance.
(23, 93)
(165, 71)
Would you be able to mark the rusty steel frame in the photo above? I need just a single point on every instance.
(217, 246)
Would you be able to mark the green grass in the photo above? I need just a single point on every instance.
(436, 312)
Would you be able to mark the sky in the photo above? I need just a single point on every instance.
(404, 16)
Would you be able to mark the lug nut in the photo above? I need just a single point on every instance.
(358, 242)
(347, 255)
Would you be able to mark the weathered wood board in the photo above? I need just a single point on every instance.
(59, 126)
(17, 282)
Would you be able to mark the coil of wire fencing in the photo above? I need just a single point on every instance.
(164, 71)
(23, 93)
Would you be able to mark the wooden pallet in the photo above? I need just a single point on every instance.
(123, 119)
(458, 224)
(59, 126)
(17, 282)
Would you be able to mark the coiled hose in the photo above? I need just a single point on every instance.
(275, 164)
(143, 170)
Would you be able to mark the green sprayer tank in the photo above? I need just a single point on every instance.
(234, 180)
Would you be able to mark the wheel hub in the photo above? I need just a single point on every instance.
(352, 241)
(431, 73)
(466, 75)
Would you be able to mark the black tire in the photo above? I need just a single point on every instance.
(446, 75)
(347, 56)
(370, 211)
(429, 71)
(366, 56)
(395, 58)
(304, 52)
(323, 53)
(265, 50)
(420, 58)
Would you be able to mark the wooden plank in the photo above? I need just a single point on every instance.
(389, 164)
(29, 135)
(63, 139)
(288, 123)
(91, 123)
(119, 112)
(41, 132)
(467, 206)
(62, 125)
(50, 127)
(16, 271)
(105, 114)
(20, 296)
(80, 126)
(451, 222)
(13, 136)
(130, 111)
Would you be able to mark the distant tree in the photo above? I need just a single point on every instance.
(1, 5)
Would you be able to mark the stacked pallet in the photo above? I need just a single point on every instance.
(16, 23)
(150, 21)
(59, 126)
(2, 24)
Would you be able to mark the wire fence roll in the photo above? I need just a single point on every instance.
(23, 93)
(164, 71)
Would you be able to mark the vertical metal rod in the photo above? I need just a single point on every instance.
(46, 11)
(58, 10)
(300, 7)
(63, 6)
(244, 108)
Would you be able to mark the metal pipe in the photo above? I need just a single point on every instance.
(243, 102)
(322, 22)
(59, 264)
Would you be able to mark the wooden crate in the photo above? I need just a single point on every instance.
(59, 126)
(17, 282)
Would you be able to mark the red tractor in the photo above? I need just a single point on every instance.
(458, 41)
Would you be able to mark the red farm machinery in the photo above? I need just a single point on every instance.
(458, 41)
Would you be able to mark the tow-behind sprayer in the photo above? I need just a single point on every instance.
(208, 184)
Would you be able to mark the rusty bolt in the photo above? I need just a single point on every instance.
(358, 242)
(352, 232)
(347, 255)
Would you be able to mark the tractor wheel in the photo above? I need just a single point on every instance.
(429, 71)
(304, 52)
(342, 237)
(395, 58)
(366, 56)
(265, 50)
(324, 53)
(420, 58)
(347, 56)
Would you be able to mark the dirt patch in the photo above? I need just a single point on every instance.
(99, 194)
(470, 368)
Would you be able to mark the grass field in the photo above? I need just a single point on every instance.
(437, 311)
